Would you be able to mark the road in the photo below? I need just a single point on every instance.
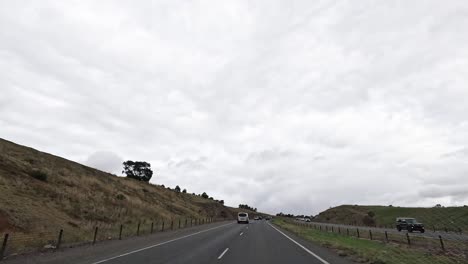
(429, 233)
(223, 243)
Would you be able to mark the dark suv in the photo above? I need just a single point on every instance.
(410, 224)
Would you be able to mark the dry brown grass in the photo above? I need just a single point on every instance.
(78, 198)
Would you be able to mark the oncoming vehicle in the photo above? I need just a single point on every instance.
(410, 224)
(242, 218)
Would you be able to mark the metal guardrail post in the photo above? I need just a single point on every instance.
(162, 227)
(408, 239)
(138, 229)
(370, 234)
(386, 236)
(120, 232)
(152, 226)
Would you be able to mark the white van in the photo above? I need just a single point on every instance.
(242, 218)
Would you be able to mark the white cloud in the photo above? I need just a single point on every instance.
(290, 107)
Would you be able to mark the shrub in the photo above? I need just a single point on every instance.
(39, 175)
(120, 197)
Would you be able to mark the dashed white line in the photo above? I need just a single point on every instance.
(241, 233)
(159, 244)
(301, 246)
(222, 254)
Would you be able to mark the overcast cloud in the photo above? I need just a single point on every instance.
(290, 106)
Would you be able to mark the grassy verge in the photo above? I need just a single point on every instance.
(367, 251)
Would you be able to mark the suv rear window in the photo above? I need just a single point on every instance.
(242, 215)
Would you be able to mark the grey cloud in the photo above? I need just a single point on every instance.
(322, 102)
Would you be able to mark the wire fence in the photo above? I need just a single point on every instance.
(453, 246)
(18, 243)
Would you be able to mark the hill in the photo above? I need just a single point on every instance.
(452, 218)
(41, 193)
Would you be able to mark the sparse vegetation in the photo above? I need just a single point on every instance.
(177, 188)
(245, 206)
(39, 175)
(76, 198)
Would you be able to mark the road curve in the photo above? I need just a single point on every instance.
(223, 243)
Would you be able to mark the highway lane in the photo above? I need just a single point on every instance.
(257, 242)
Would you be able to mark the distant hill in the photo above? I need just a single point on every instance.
(451, 218)
(40, 192)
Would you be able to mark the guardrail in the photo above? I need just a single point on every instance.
(17, 243)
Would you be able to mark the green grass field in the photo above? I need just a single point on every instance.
(450, 218)
(367, 251)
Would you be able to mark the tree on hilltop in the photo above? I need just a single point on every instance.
(138, 170)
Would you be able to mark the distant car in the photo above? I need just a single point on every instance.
(242, 218)
(307, 219)
(409, 224)
(256, 218)
(260, 217)
(268, 218)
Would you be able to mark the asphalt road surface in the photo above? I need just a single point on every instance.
(227, 243)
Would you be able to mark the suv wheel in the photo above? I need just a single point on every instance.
(422, 230)
(410, 229)
(399, 229)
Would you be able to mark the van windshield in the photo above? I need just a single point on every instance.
(242, 215)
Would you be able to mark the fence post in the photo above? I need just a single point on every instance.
(386, 236)
(152, 225)
(191, 222)
(408, 238)
(185, 223)
(347, 231)
(95, 234)
(320, 228)
(370, 234)
(120, 232)
(433, 227)
(138, 229)
(172, 224)
(446, 230)
(441, 243)
(162, 227)
(333, 230)
(326, 228)
(357, 231)
(4, 245)
(59, 240)
(179, 223)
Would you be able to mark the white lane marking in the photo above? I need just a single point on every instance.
(241, 233)
(301, 246)
(159, 244)
(222, 254)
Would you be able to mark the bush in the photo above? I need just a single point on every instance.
(120, 197)
(39, 175)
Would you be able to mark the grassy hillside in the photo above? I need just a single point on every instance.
(450, 217)
(40, 192)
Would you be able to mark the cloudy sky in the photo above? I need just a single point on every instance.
(290, 106)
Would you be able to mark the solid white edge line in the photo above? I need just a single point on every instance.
(222, 254)
(159, 244)
(301, 246)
